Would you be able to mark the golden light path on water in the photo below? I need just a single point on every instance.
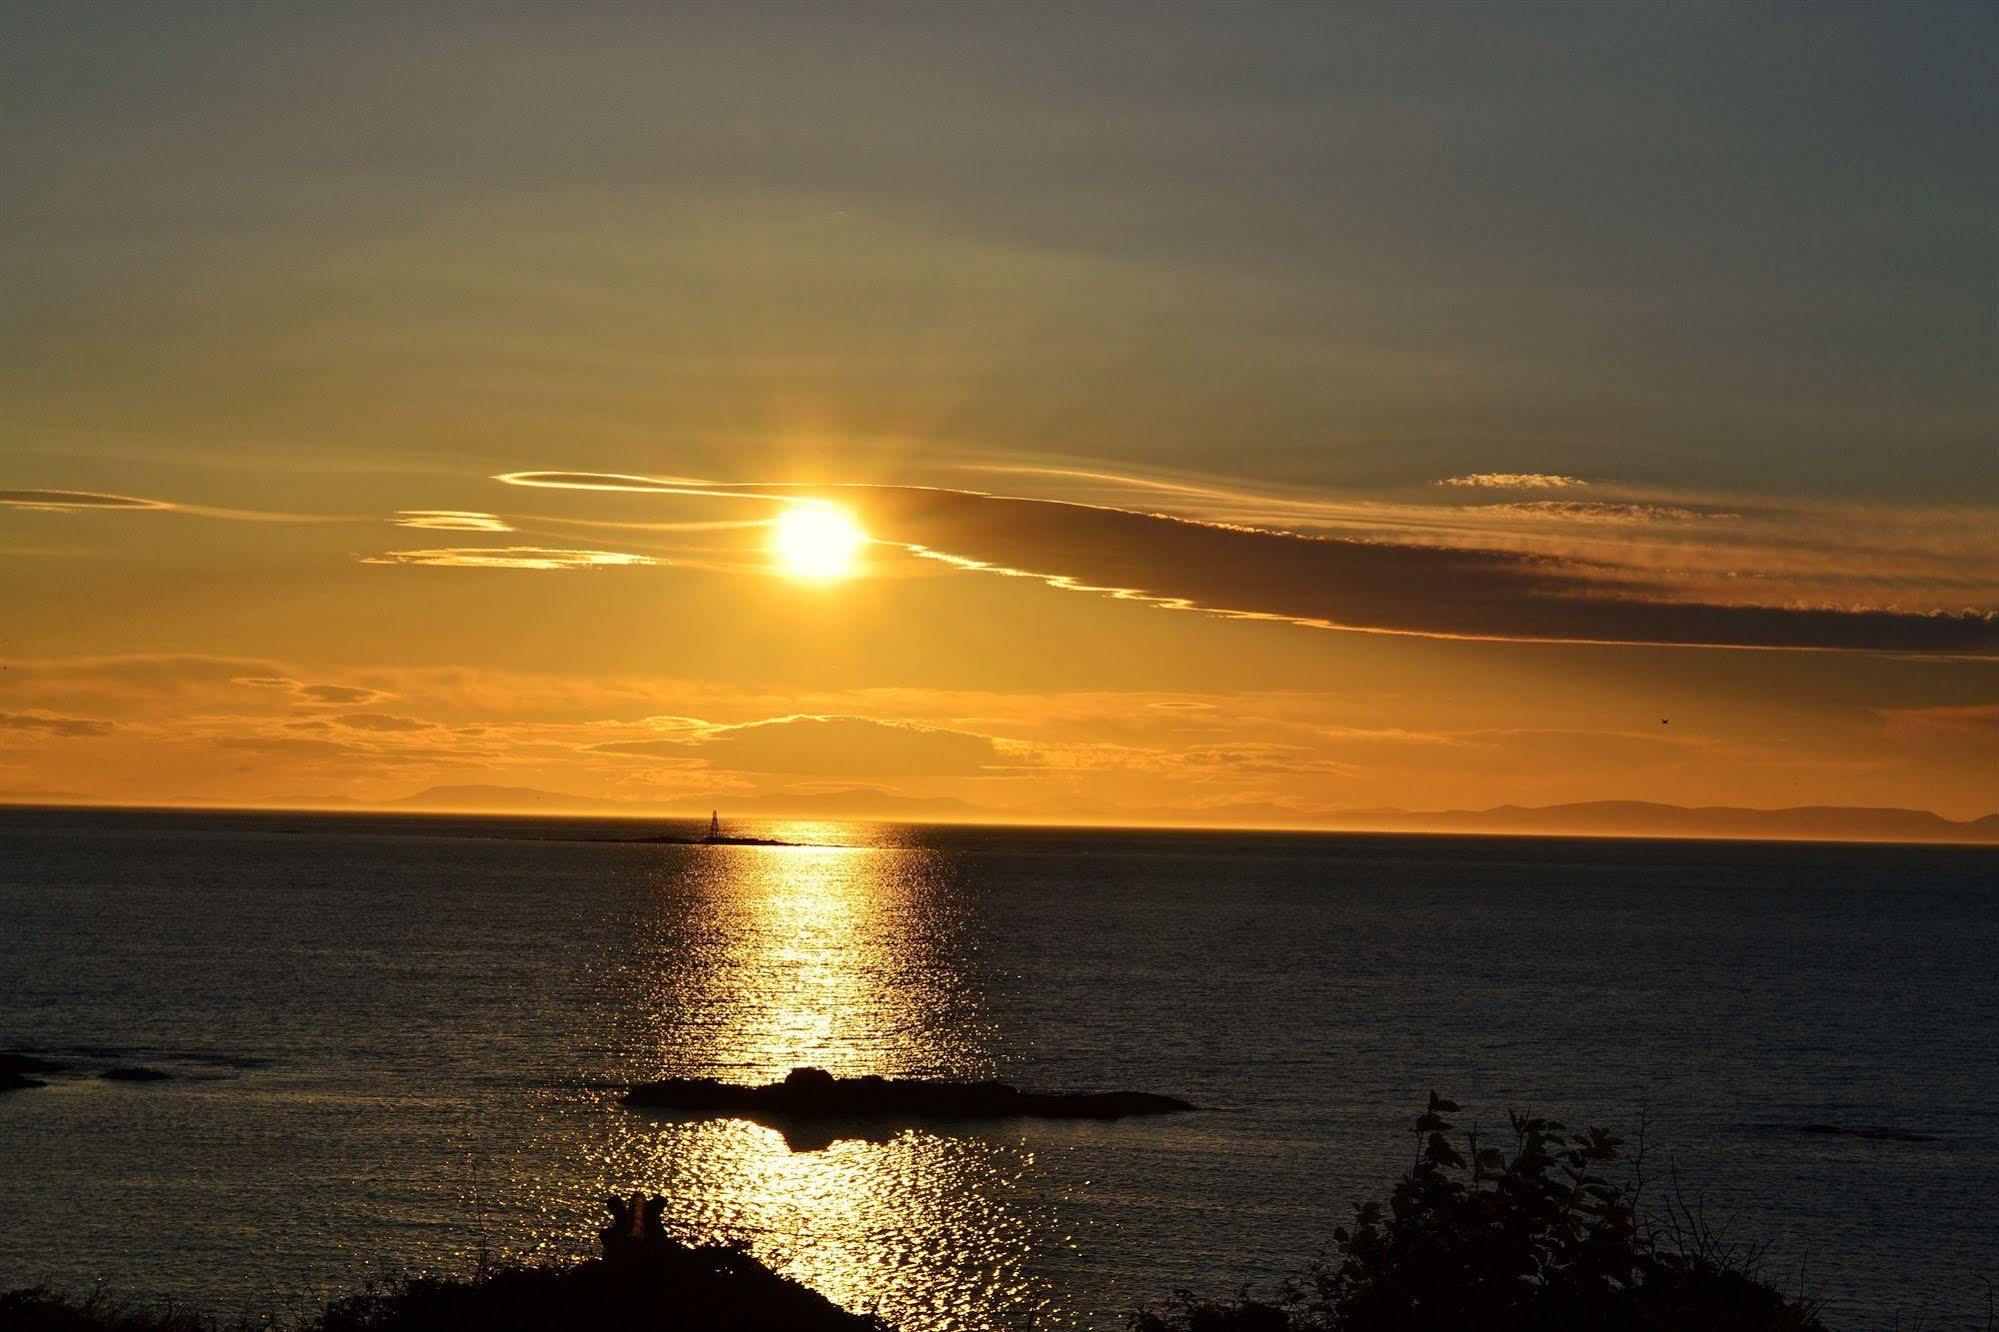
(847, 958)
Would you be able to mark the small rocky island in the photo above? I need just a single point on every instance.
(20, 1071)
(813, 1093)
(17, 1070)
(134, 1073)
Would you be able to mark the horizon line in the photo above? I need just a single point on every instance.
(360, 810)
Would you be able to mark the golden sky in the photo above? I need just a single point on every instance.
(962, 413)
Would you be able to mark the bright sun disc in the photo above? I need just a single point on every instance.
(818, 541)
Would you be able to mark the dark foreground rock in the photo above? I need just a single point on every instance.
(812, 1093)
(646, 1282)
(671, 1287)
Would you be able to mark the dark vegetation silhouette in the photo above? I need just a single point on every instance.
(1528, 1235)
(646, 1281)
(1531, 1237)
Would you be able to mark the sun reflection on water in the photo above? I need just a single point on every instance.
(842, 957)
(850, 959)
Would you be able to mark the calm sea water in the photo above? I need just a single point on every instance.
(392, 1039)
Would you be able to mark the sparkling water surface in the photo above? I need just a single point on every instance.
(397, 1041)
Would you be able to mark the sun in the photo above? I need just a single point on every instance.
(820, 542)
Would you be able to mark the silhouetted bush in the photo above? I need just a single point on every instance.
(1507, 1241)
(39, 1309)
(676, 1288)
(1535, 1237)
(710, 1287)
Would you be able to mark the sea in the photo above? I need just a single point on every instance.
(396, 1044)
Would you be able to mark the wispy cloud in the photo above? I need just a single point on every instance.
(88, 501)
(54, 501)
(1620, 593)
(539, 558)
(328, 695)
(1604, 511)
(1700, 547)
(1340, 583)
(451, 520)
(287, 746)
(184, 728)
(847, 746)
(47, 723)
(1977, 720)
(632, 483)
(382, 721)
(1515, 481)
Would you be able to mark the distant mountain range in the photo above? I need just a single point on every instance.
(1597, 818)
(1637, 818)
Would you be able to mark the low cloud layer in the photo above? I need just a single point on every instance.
(843, 747)
(381, 721)
(175, 729)
(49, 724)
(325, 695)
(1979, 721)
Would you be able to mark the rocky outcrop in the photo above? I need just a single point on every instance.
(647, 1281)
(134, 1073)
(812, 1093)
(17, 1070)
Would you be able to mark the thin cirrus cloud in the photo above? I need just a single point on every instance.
(538, 558)
(1337, 582)
(451, 520)
(1432, 590)
(828, 746)
(1978, 721)
(383, 722)
(1545, 526)
(58, 501)
(318, 695)
(90, 501)
(1516, 481)
(1604, 511)
(48, 723)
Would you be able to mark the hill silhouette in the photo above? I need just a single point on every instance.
(1596, 818)
(1599, 818)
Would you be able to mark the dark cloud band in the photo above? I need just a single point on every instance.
(1378, 586)
(1339, 582)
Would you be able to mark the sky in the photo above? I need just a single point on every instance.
(1238, 414)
